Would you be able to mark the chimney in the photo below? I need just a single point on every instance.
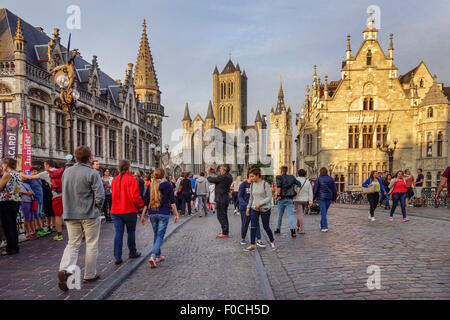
(40, 29)
(118, 81)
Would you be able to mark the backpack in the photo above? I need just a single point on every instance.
(46, 191)
(55, 177)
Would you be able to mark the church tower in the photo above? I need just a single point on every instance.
(145, 80)
(230, 97)
(280, 137)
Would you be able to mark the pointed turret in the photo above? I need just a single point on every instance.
(349, 50)
(244, 75)
(19, 39)
(216, 71)
(210, 113)
(325, 87)
(237, 67)
(187, 116)
(258, 117)
(391, 46)
(145, 75)
(280, 104)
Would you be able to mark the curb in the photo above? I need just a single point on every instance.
(106, 287)
(265, 283)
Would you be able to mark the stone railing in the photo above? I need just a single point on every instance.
(39, 75)
(7, 68)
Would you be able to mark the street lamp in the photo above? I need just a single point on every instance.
(389, 152)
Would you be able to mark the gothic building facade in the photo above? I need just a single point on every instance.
(343, 122)
(117, 119)
(227, 113)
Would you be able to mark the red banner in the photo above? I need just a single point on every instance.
(26, 148)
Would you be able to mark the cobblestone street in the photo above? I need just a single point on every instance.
(413, 257)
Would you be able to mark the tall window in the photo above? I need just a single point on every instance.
(440, 138)
(368, 103)
(429, 144)
(339, 181)
(127, 143)
(364, 171)
(60, 131)
(382, 134)
(369, 58)
(81, 132)
(430, 112)
(350, 138)
(428, 179)
(384, 167)
(309, 139)
(147, 152)
(351, 173)
(438, 178)
(112, 144)
(367, 136)
(421, 83)
(134, 146)
(5, 106)
(37, 126)
(98, 133)
(356, 174)
(369, 170)
(141, 149)
(353, 137)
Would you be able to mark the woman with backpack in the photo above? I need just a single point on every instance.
(303, 199)
(159, 201)
(259, 206)
(126, 200)
(9, 205)
(375, 187)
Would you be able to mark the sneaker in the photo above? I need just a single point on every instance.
(243, 242)
(277, 231)
(302, 232)
(134, 256)
(34, 236)
(260, 244)
(62, 280)
(200, 215)
(324, 230)
(152, 262)
(391, 218)
(161, 258)
(405, 219)
(29, 237)
(369, 217)
(372, 219)
(43, 233)
(118, 261)
(221, 236)
(272, 247)
(58, 238)
(249, 248)
(238, 213)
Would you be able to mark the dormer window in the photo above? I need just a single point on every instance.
(368, 103)
(369, 58)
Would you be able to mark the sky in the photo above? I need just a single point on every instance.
(268, 39)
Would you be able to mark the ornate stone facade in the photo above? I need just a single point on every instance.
(342, 121)
(118, 120)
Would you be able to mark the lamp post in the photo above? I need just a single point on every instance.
(65, 79)
(389, 152)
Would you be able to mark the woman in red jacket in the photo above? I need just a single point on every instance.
(126, 201)
(398, 189)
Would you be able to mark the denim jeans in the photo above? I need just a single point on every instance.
(324, 205)
(285, 204)
(159, 225)
(120, 222)
(265, 218)
(245, 223)
(396, 197)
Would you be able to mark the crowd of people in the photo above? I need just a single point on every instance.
(83, 194)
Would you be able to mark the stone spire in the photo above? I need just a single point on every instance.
(280, 104)
(145, 75)
(391, 46)
(349, 50)
(210, 113)
(314, 85)
(19, 32)
(325, 87)
(216, 71)
(187, 116)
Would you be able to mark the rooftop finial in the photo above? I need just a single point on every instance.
(391, 41)
(371, 20)
(19, 32)
(348, 43)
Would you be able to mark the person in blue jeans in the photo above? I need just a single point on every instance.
(287, 189)
(159, 200)
(243, 196)
(325, 192)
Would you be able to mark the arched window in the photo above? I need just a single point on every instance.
(350, 137)
(366, 137)
(365, 104)
(127, 143)
(370, 103)
(369, 58)
(231, 114)
(440, 138)
(429, 144)
(229, 90)
(421, 83)
(430, 112)
(134, 146)
(382, 135)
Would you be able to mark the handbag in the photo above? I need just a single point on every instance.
(369, 190)
(314, 209)
(34, 206)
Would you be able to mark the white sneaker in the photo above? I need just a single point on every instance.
(373, 219)
(369, 217)
(324, 230)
